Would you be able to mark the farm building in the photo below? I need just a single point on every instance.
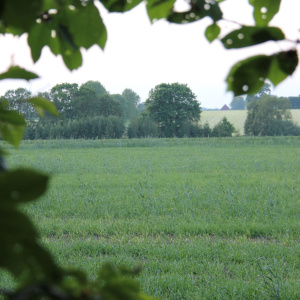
(225, 107)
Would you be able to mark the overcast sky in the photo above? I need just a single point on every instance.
(139, 55)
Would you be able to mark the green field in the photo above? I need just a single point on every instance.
(205, 218)
(236, 117)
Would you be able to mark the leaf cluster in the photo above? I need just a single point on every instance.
(67, 26)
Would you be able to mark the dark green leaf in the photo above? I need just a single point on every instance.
(18, 73)
(212, 32)
(86, 26)
(15, 227)
(120, 5)
(41, 105)
(249, 75)
(20, 253)
(159, 9)
(40, 36)
(264, 10)
(20, 14)
(250, 36)
(283, 64)
(21, 185)
(68, 49)
(199, 9)
(72, 59)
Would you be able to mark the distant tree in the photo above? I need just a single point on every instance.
(96, 86)
(262, 113)
(295, 102)
(171, 106)
(223, 129)
(63, 96)
(238, 103)
(129, 101)
(141, 107)
(141, 127)
(131, 97)
(90, 104)
(265, 90)
(207, 132)
(16, 100)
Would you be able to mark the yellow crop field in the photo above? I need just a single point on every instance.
(236, 117)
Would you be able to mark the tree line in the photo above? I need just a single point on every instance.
(89, 111)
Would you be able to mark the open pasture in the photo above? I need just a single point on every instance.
(205, 218)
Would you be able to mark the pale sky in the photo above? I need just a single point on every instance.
(139, 55)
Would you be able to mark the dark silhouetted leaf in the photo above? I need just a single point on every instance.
(212, 32)
(21, 185)
(250, 36)
(19, 252)
(20, 14)
(18, 73)
(158, 9)
(264, 10)
(41, 105)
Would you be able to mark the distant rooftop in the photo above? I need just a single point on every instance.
(225, 107)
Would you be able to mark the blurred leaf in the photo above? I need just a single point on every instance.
(283, 64)
(86, 26)
(19, 252)
(264, 10)
(12, 125)
(15, 228)
(199, 9)
(41, 105)
(120, 5)
(21, 185)
(11, 117)
(212, 32)
(250, 36)
(249, 75)
(20, 14)
(72, 58)
(18, 73)
(40, 36)
(12, 134)
(158, 9)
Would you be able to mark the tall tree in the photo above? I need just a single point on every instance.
(16, 100)
(171, 106)
(63, 96)
(238, 103)
(262, 113)
(265, 90)
(95, 86)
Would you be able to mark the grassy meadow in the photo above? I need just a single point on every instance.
(205, 218)
(236, 117)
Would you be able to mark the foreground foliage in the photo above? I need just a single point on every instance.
(68, 25)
